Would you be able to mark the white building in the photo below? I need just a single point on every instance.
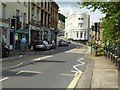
(77, 26)
(61, 27)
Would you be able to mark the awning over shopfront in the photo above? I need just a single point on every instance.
(22, 31)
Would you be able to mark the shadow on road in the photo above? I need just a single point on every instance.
(8, 73)
(50, 61)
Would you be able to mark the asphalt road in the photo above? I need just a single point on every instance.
(56, 68)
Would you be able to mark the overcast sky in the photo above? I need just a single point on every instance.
(66, 5)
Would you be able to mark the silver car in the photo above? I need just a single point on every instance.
(41, 45)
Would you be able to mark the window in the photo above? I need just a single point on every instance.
(41, 3)
(77, 34)
(38, 15)
(3, 11)
(25, 3)
(17, 12)
(42, 17)
(81, 35)
(80, 25)
(24, 18)
(33, 12)
(45, 5)
(85, 35)
(80, 18)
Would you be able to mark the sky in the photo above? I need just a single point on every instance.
(66, 5)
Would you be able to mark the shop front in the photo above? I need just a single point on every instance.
(16, 36)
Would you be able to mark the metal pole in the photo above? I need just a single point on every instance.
(29, 23)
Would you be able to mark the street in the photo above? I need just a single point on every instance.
(57, 68)
(59, 44)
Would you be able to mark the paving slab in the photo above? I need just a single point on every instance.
(103, 75)
(104, 78)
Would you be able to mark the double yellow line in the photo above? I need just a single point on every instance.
(75, 80)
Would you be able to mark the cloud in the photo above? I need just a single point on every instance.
(65, 8)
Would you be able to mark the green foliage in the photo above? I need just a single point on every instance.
(111, 22)
(61, 17)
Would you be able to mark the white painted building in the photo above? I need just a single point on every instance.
(77, 26)
(61, 27)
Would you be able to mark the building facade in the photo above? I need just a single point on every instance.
(36, 21)
(77, 26)
(96, 33)
(61, 24)
(54, 20)
(43, 20)
(18, 10)
(61, 27)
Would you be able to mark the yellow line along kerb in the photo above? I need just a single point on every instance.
(74, 81)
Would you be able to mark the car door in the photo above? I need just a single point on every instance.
(46, 43)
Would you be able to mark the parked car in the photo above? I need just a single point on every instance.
(47, 44)
(5, 50)
(69, 42)
(41, 45)
(63, 43)
(52, 45)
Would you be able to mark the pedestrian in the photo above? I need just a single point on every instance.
(23, 44)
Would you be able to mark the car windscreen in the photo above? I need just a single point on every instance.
(39, 43)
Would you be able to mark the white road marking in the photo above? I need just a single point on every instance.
(40, 58)
(12, 57)
(82, 63)
(67, 74)
(69, 51)
(21, 56)
(19, 64)
(37, 59)
(77, 75)
(75, 66)
(28, 72)
(4, 79)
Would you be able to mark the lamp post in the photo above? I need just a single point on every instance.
(29, 29)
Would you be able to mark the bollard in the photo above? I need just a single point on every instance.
(116, 57)
(118, 60)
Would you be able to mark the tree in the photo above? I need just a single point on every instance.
(111, 22)
(61, 17)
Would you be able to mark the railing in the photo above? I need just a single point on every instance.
(111, 52)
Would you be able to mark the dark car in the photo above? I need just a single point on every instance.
(41, 45)
(63, 43)
(69, 42)
(5, 50)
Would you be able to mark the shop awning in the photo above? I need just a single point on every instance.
(22, 31)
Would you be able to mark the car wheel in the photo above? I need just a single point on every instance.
(7, 53)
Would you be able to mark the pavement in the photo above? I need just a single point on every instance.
(104, 74)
